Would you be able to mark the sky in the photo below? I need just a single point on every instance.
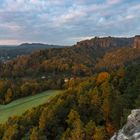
(64, 22)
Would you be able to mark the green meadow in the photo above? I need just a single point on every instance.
(19, 106)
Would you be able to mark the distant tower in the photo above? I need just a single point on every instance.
(137, 41)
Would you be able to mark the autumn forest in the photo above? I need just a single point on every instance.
(99, 80)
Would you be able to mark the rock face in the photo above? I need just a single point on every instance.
(106, 42)
(137, 41)
(131, 130)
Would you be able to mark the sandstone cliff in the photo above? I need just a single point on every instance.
(137, 41)
(131, 130)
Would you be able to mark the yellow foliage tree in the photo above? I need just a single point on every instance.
(8, 95)
(100, 134)
(102, 77)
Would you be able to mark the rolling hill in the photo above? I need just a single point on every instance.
(101, 78)
(48, 69)
(10, 52)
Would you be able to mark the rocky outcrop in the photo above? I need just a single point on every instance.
(106, 42)
(131, 130)
(137, 41)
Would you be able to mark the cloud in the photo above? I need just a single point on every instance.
(29, 5)
(112, 2)
(74, 14)
(67, 21)
(81, 38)
(10, 27)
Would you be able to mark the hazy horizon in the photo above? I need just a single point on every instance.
(45, 43)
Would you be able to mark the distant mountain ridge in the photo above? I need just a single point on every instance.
(39, 45)
(10, 52)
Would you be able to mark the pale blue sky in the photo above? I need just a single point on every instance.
(66, 21)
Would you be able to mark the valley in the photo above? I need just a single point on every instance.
(69, 69)
(100, 78)
(18, 107)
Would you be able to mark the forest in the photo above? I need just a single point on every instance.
(48, 69)
(101, 79)
(92, 108)
(9, 52)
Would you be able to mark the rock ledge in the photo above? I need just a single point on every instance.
(131, 130)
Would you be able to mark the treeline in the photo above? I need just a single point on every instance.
(92, 108)
(14, 89)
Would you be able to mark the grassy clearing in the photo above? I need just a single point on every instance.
(19, 106)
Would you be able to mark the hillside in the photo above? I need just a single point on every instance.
(118, 58)
(10, 52)
(48, 69)
(101, 78)
(77, 59)
(92, 108)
